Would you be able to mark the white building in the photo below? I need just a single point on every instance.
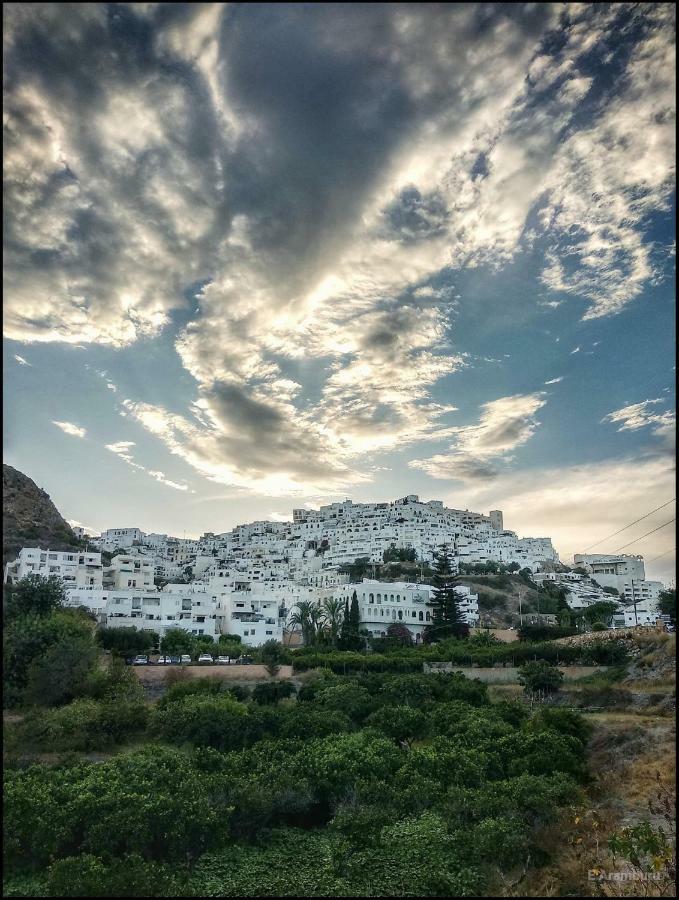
(642, 591)
(114, 538)
(612, 570)
(76, 568)
(129, 572)
(383, 603)
(151, 609)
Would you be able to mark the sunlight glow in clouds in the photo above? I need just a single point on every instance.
(291, 216)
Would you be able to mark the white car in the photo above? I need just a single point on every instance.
(205, 658)
(185, 658)
(223, 660)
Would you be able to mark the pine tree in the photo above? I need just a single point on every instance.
(447, 620)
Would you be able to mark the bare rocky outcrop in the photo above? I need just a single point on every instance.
(29, 518)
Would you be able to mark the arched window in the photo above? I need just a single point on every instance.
(379, 597)
(428, 618)
(421, 616)
(371, 598)
(391, 597)
(400, 613)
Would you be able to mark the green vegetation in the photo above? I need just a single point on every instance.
(127, 641)
(540, 675)
(447, 619)
(369, 785)
(667, 603)
(383, 781)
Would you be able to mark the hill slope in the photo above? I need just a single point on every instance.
(29, 518)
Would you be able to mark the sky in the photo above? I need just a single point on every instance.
(265, 256)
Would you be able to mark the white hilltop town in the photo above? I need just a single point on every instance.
(249, 580)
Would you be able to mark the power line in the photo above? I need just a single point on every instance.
(645, 535)
(660, 555)
(630, 525)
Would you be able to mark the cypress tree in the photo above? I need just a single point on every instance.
(447, 620)
(344, 630)
(354, 623)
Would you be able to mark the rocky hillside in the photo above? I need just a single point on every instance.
(29, 518)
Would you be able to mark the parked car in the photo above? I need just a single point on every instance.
(163, 661)
(185, 658)
(223, 660)
(175, 660)
(244, 660)
(140, 660)
(205, 658)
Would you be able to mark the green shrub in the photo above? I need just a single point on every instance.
(127, 876)
(272, 691)
(206, 720)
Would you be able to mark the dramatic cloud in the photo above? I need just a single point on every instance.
(504, 425)
(293, 188)
(70, 428)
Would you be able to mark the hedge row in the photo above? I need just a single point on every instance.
(462, 654)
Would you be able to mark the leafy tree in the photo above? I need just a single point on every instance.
(28, 637)
(213, 721)
(601, 611)
(402, 724)
(667, 603)
(540, 675)
(484, 639)
(358, 569)
(272, 654)
(272, 691)
(127, 876)
(33, 595)
(60, 674)
(177, 641)
(127, 641)
(446, 618)
(204, 643)
(400, 634)
(153, 802)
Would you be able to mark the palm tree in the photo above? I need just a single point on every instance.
(318, 622)
(303, 617)
(334, 613)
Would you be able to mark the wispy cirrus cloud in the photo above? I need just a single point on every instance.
(123, 449)
(70, 428)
